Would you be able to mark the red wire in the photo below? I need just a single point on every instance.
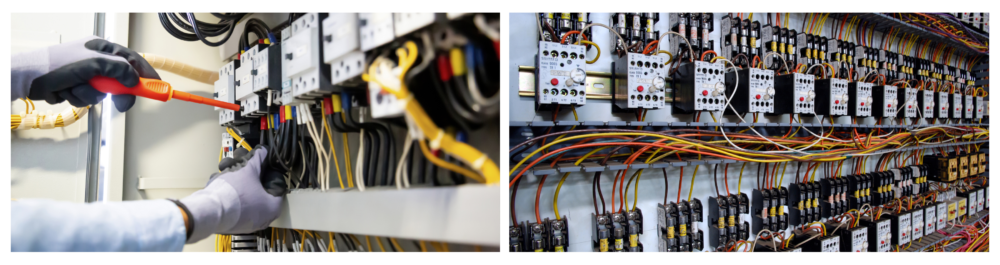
(679, 182)
(614, 187)
(725, 175)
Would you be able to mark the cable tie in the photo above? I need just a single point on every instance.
(478, 164)
(436, 142)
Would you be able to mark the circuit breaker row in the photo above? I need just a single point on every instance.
(712, 85)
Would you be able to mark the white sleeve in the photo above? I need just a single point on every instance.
(45, 225)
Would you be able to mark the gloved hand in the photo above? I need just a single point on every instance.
(71, 65)
(235, 201)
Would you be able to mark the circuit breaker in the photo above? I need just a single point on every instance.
(342, 48)
(968, 106)
(942, 105)
(861, 92)
(301, 64)
(795, 94)
(885, 101)
(879, 233)
(832, 97)
(926, 104)
(754, 93)
(902, 228)
(979, 108)
(956, 106)
(917, 223)
(376, 30)
(640, 81)
(228, 146)
(854, 239)
(909, 105)
(562, 75)
(701, 86)
(225, 91)
(404, 23)
(930, 219)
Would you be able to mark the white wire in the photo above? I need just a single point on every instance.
(605, 26)
(402, 182)
(660, 40)
(361, 158)
(783, 61)
(480, 21)
(323, 161)
(541, 36)
(729, 104)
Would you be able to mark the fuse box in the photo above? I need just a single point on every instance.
(831, 97)
(861, 92)
(562, 75)
(754, 93)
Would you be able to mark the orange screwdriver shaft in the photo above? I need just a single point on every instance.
(154, 89)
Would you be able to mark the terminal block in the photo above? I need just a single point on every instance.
(768, 209)
(754, 93)
(803, 199)
(910, 103)
(516, 245)
(562, 75)
(640, 81)
(861, 92)
(795, 94)
(536, 237)
(879, 233)
(885, 101)
(833, 197)
(859, 190)
(630, 222)
(601, 237)
(832, 97)
(667, 227)
(701, 86)
(558, 234)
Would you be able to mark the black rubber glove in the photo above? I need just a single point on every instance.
(272, 178)
(73, 64)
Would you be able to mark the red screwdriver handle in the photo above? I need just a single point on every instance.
(154, 89)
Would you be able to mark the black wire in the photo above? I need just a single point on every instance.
(597, 185)
(666, 187)
(717, 194)
(758, 176)
(194, 24)
(513, 195)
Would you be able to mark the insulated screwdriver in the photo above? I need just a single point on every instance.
(154, 89)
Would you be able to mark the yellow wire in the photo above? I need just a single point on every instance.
(595, 46)
(369, 242)
(238, 139)
(333, 150)
(396, 244)
(329, 246)
(347, 161)
(691, 191)
(379, 241)
(441, 163)
(423, 246)
(668, 53)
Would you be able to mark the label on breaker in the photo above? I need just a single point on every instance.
(910, 103)
(838, 97)
(956, 106)
(709, 86)
(645, 83)
(761, 91)
(562, 76)
(805, 94)
(968, 107)
(926, 104)
(863, 99)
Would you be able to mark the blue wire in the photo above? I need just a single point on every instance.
(345, 99)
(270, 36)
(293, 112)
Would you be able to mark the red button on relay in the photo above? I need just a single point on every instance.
(555, 82)
(704, 92)
(836, 102)
(639, 88)
(802, 99)
(758, 96)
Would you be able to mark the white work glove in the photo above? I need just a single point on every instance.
(235, 200)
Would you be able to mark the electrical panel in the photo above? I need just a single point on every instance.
(831, 97)
(754, 93)
(795, 94)
(562, 75)
(861, 92)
